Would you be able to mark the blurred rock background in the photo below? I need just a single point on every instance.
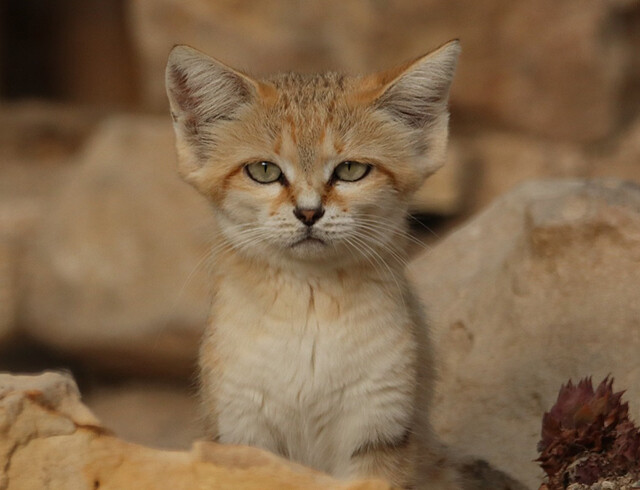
(103, 251)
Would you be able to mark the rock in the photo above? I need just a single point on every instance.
(567, 84)
(18, 217)
(42, 135)
(8, 294)
(165, 416)
(36, 141)
(157, 415)
(48, 439)
(501, 160)
(623, 159)
(495, 161)
(117, 272)
(541, 287)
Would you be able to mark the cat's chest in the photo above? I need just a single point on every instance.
(313, 377)
(311, 342)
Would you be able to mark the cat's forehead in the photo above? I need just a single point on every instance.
(308, 112)
(304, 90)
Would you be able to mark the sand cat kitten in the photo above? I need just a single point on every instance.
(317, 348)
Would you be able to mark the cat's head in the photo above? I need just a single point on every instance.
(314, 168)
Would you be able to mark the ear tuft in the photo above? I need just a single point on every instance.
(417, 94)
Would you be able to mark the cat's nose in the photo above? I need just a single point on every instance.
(308, 216)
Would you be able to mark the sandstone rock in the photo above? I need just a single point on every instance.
(48, 439)
(117, 272)
(566, 84)
(543, 286)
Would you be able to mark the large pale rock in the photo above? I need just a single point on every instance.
(568, 83)
(541, 287)
(117, 272)
(48, 439)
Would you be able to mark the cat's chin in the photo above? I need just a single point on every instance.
(309, 248)
(309, 241)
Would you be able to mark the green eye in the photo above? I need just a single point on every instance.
(264, 172)
(351, 171)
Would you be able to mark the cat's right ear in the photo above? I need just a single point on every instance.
(203, 94)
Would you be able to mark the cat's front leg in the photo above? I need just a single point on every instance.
(244, 423)
(235, 415)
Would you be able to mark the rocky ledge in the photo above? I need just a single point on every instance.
(49, 439)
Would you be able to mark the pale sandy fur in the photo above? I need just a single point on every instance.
(318, 352)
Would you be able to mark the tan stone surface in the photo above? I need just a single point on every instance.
(48, 439)
(552, 68)
(543, 286)
(117, 272)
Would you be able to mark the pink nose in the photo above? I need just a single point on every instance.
(308, 216)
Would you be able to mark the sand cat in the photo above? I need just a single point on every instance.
(317, 348)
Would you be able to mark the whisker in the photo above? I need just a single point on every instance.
(377, 257)
(374, 264)
(424, 226)
(384, 246)
(392, 227)
(202, 260)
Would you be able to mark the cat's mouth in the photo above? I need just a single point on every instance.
(308, 240)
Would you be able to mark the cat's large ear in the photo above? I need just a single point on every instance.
(203, 93)
(416, 95)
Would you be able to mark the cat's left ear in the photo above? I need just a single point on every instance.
(416, 95)
(203, 95)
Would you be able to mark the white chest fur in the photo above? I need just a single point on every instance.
(312, 370)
